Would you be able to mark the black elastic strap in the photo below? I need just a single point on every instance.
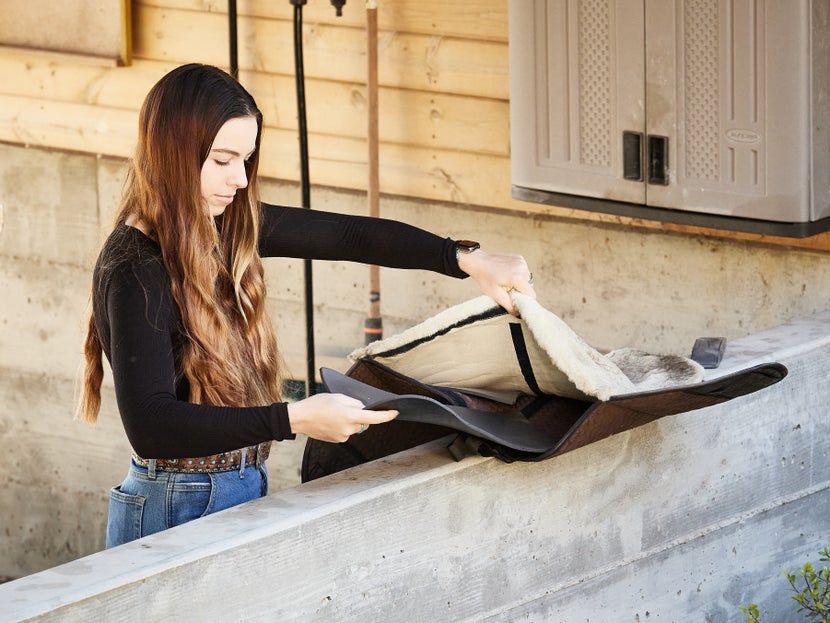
(530, 409)
(523, 357)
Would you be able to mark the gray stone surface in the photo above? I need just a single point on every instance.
(615, 286)
(684, 519)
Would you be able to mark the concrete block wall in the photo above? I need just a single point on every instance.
(616, 286)
(685, 519)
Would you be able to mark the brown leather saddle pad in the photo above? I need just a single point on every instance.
(535, 428)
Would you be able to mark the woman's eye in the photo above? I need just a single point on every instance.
(222, 163)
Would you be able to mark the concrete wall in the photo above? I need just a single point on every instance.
(615, 285)
(684, 519)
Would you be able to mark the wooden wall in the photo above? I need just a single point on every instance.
(442, 74)
(444, 100)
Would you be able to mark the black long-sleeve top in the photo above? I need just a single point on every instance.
(139, 324)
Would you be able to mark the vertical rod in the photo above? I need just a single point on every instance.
(306, 192)
(234, 58)
(373, 327)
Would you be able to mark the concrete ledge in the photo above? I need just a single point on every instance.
(684, 519)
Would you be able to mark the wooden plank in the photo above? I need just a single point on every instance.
(472, 19)
(408, 61)
(74, 127)
(437, 175)
(428, 120)
(436, 120)
(339, 162)
(85, 59)
(48, 78)
(335, 161)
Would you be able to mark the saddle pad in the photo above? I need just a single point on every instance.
(553, 425)
(508, 428)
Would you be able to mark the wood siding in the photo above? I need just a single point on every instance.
(443, 96)
(443, 91)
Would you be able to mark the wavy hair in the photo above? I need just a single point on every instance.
(229, 354)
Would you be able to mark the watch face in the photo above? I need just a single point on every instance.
(467, 246)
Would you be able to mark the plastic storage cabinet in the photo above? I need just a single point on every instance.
(704, 112)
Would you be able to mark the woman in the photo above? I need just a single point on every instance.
(178, 306)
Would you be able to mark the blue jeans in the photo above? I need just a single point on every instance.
(148, 502)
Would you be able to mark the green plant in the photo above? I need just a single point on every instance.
(813, 600)
(752, 611)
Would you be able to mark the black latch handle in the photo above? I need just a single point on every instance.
(658, 160)
(633, 156)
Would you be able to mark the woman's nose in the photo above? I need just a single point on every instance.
(239, 177)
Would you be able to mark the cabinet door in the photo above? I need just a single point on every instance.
(726, 85)
(577, 87)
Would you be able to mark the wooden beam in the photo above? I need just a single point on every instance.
(428, 120)
(472, 19)
(405, 60)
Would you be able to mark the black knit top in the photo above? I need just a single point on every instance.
(139, 324)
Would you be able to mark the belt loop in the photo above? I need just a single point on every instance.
(259, 452)
(151, 469)
(242, 456)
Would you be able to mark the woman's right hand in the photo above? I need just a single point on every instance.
(333, 417)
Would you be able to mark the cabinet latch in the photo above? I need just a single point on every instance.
(658, 160)
(633, 156)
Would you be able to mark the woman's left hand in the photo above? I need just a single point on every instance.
(497, 274)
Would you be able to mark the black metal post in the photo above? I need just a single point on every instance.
(234, 57)
(305, 189)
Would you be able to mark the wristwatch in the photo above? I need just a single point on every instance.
(465, 246)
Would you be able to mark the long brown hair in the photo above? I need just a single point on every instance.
(229, 355)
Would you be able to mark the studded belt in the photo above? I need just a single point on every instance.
(222, 462)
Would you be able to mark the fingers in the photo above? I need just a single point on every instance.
(514, 276)
(525, 287)
(502, 297)
(353, 412)
(521, 278)
(499, 274)
(368, 416)
(333, 417)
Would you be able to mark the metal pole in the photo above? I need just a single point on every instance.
(234, 59)
(306, 190)
(373, 326)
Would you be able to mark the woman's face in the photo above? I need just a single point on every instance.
(223, 172)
